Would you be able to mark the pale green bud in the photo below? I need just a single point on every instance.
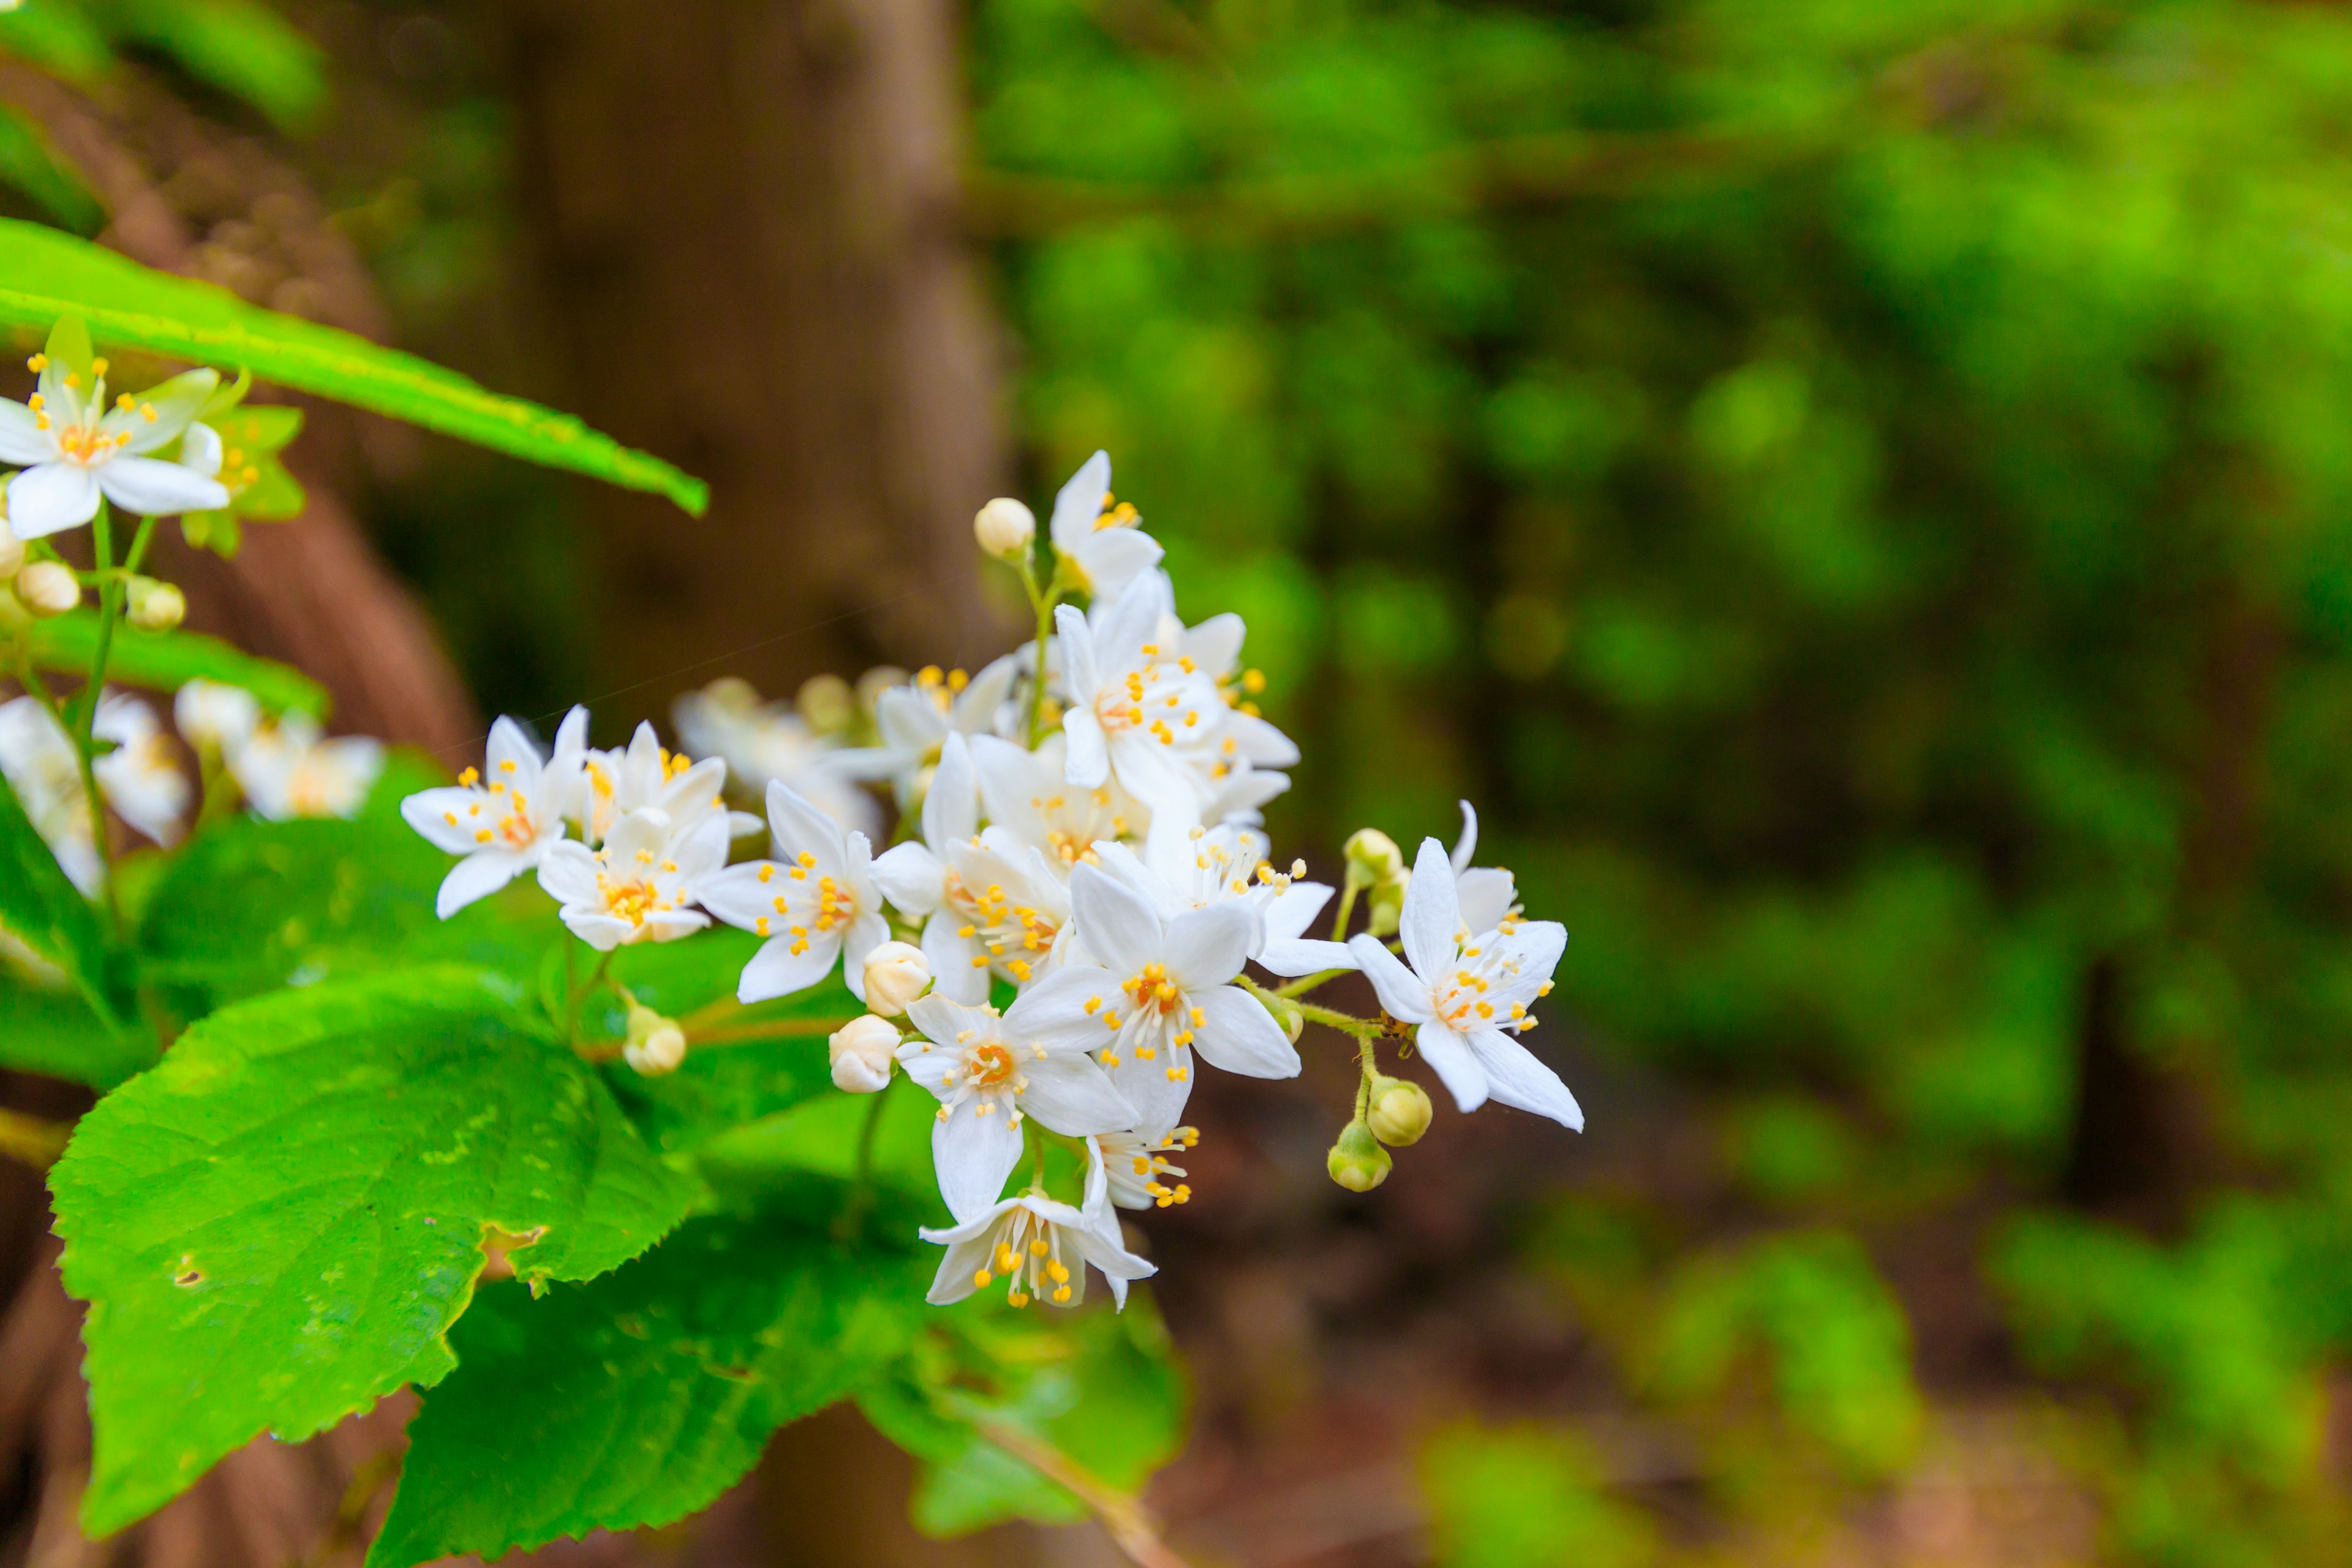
(1356, 1161)
(827, 703)
(654, 1045)
(154, 607)
(47, 588)
(1399, 1112)
(1005, 529)
(1373, 858)
(1286, 1013)
(1385, 908)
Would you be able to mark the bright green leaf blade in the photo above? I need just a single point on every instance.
(26, 164)
(278, 1224)
(51, 1030)
(165, 661)
(46, 913)
(45, 275)
(638, 1399)
(244, 49)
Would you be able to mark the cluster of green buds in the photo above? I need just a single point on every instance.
(1377, 874)
(1392, 1113)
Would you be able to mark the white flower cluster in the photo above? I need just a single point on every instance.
(285, 768)
(1081, 838)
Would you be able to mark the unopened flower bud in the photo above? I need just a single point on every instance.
(1285, 1014)
(12, 551)
(654, 1045)
(1357, 1162)
(863, 1052)
(827, 703)
(1005, 528)
(1373, 858)
(896, 974)
(1399, 1112)
(156, 606)
(47, 589)
(1384, 910)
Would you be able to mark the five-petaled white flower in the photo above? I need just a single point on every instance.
(503, 826)
(1158, 988)
(987, 901)
(638, 885)
(1134, 716)
(1468, 992)
(76, 449)
(1101, 546)
(1041, 1246)
(140, 778)
(289, 769)
(988, 1076)
(815, 903)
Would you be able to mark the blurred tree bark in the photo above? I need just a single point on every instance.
(746, 216)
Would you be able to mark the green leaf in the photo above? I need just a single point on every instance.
(638, 1399)
(244, 49)
(278, 1224)
(27, 163)
(165, 661)
(51, 1030)
(47, 912)
(46, 275)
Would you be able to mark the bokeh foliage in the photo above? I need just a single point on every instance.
(1859, 492)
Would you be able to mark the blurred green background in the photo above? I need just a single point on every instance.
(1858, 493)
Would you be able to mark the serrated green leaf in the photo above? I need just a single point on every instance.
(46, 913)
(46, 275)
(638, 1398)
(165, 661)
(277, 1226)
(53, 1031)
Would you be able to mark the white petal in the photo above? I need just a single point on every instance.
(1403, 994)
(1076, 642)
(429, 811)
(911, 877)
(1208, 947)
(801, 828)
(952, 805)
(175, 403)
(1114, 558)
(1433, 915)
(1053, 1014)
(1302, 956)
(1072, 1095)
(200, 450)
(972, 1155)
(22, 439)
(942, 1020)
(1089, 757)
(777, 971)
(737, 895)
(477, 876)
(1467, 845)
(1080, 503)
(668, 925)
(604, 932)
(1117, 924)
(1450, 1055)
(954, 973)
(1289, 911)
(1260, 742)
(1215, 645)
(153, 488)
(568, 872)
(864, 934)
(1514, 1076)
(51, 499)
(1486, 894)
(1236, 1033)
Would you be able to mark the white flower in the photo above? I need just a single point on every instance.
(815, 903)
(502, 827)
(914, 722)
(861, 1052)
(637, 885)
(140, 777)
(287, 770)
(1158, 988)
(1205, 865)
(76, 449)
(765, 743)
(1134, 717)
(44, 770)
(1215, 649)
(987, 1075)
(1028, 796)
(1100, 545)
(213, 716)
(1489, 895)
(1041, 1246)
(1468, 992)
(1133, 1163)
(988, 903)
(596, 789)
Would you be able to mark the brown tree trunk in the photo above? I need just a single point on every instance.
(745, 212)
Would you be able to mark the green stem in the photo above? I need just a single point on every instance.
(139, 546)
(1368, 1059)
(580, 997)
(1042, 600)
(1302, 985)
(1348, 889)
(1329, 1017)
(861, 1192)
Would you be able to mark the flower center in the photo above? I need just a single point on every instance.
(1028, 1251)
(989, 1065)
(631, 901)
(1154, 990)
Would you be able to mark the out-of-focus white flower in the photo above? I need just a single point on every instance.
(896, 974)
(289, 769)
(863, 1052)
(213, 716)
(1101, 545)
(638, 885)
(1135, 718)
(1158, 988)
(140, 778)
(48, 588)
(987, 1076)
(1028, 796)
(914, 722)
(1005, 528)
(1040, 1247)
(502, 825)
(816, 902)
(76, 449)
(1489, 895)
(1468, 992)
(1135, 1162)
(987, 902)
(768, 742)
(38, 760)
